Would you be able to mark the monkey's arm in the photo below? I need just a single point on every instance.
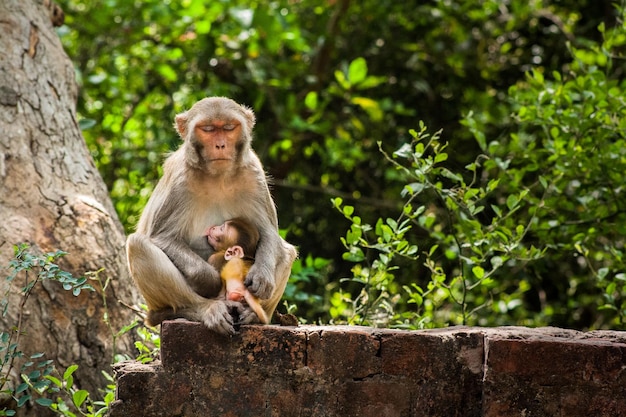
(165, 226)
(260, 280)
(201, 276)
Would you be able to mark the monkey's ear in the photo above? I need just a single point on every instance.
(180, 123)
(250, 117)
(233, 252)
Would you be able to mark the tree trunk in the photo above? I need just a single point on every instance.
(53, 198)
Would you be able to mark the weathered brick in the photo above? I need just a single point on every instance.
(444, 368)
(551, 376)
(342, 352)
(339, 371)
(142, 391)
(378, 396)
(185, 344)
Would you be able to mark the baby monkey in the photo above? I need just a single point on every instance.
(235, 243)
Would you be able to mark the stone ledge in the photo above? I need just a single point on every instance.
(360, 371)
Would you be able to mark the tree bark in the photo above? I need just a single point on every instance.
(52, 197)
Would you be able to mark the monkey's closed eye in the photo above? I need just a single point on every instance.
(229, 127)
(207, 128)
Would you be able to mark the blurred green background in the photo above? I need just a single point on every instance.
(505, 206)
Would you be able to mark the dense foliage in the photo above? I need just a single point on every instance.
(472, 150)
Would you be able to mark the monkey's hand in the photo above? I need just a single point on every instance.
(260, 281)
(217, 316)
(247, 315)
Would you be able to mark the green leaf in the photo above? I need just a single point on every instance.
(21, 387)
(370, 106)
(341, 79)
(34, 375)
(371, 82)
(478, 271)
(440, 157)
(353, 235)
(44, 402)
(79, 397)
(512, 202)
(451, 175)
(202, 26)
(357, 71)
(41, 385)
(85, 124)
(67, 375)
(555, 132)
(23, 400)
(311, 100)
(610, 289)
(167, 72)
(354, 255)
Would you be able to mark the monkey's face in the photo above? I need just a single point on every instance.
(216, 131)
(218, 140)
(221, 236)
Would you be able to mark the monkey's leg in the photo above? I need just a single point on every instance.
(217, 315)
(283, 271)
(159, 281)
(166, 291)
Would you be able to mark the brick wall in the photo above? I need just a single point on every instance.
(359, 371)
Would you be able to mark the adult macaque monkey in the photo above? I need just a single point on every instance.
(214, 175)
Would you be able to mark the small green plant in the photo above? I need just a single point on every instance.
(374, 303)
(115, 334)
(569, 133)
(302, 293)
(41, 381)
(58, 393)
(547, 191)
(471, 237)
(36, 373)
(148, 345)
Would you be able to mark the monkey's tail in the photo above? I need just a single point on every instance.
(256, 307)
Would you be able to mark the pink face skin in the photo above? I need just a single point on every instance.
(221, 236)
